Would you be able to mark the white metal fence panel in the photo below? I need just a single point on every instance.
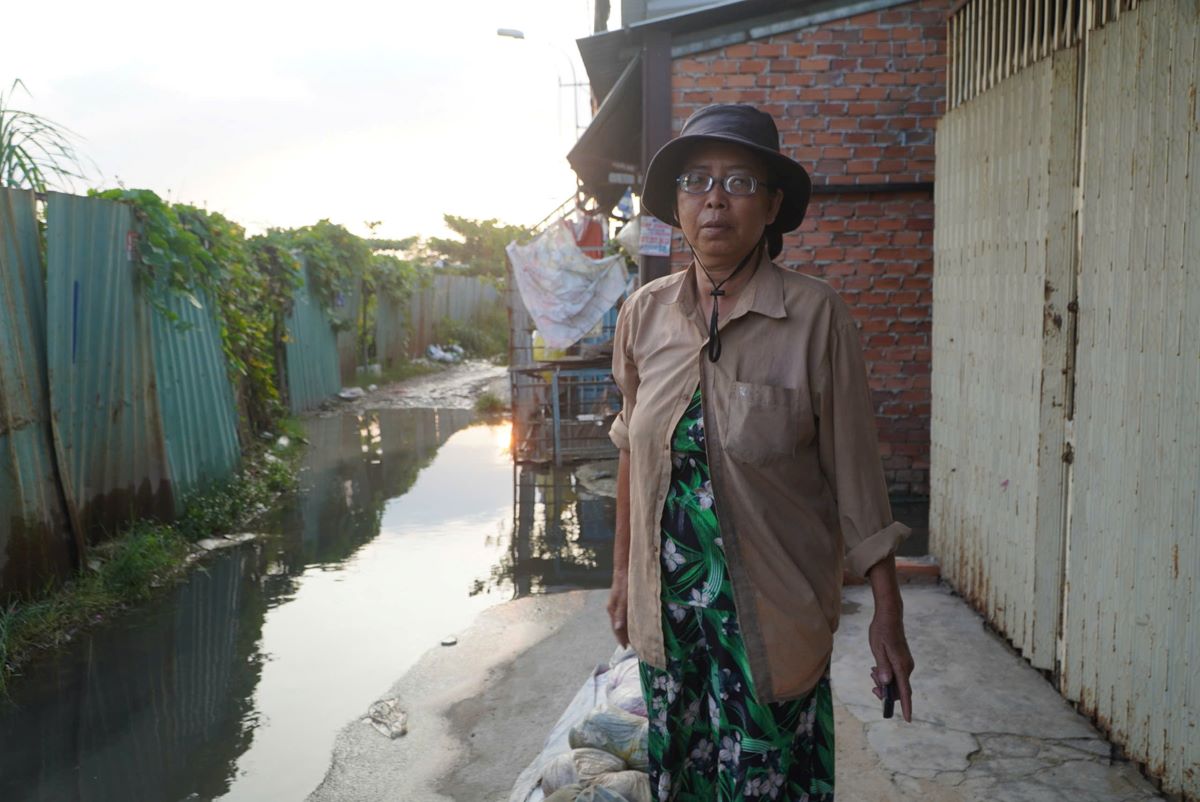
(1132, 606)
(1005, 166)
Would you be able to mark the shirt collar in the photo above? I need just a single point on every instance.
(762, 294)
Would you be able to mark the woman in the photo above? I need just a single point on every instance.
(749, 477)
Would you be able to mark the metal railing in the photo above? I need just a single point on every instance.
(989, 40)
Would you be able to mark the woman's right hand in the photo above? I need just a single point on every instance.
(617, 615)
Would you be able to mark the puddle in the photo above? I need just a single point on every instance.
(234, 685)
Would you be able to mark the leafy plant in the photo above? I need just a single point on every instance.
(481, 250)
(335, 259)
(35, 152)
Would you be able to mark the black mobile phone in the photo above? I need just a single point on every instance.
(890, 694)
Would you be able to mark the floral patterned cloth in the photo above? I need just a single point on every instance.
(711, 740)
(566, 293)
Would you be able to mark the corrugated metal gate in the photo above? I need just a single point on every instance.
(35, 537)
(1002, 244)
(1132, 605)
(1065, 481)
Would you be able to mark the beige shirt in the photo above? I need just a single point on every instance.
(790, 430)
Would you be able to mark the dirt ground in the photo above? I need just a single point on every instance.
(456, 387)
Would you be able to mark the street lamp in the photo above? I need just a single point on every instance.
(516, 33)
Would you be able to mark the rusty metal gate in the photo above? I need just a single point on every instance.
(1065, 483)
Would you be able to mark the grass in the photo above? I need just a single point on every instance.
(484, 337)
(408, 369)
(488, 403)
(131, 567)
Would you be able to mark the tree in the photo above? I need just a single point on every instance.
(35, 153)
(481, 250)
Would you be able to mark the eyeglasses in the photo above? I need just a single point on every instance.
(702, 183)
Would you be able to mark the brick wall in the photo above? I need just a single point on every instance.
(856, 102)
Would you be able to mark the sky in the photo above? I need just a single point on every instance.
(281, 114)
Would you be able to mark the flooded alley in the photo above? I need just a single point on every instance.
(408, 523)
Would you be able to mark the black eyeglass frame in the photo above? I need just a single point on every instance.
(755, 183)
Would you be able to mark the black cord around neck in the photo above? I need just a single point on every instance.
(714, 336)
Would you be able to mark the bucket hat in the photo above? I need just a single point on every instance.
(742, 125)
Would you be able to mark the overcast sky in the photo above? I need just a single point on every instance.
(279, 114)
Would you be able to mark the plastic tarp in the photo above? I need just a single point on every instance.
(566, 293)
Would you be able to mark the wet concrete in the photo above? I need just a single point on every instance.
(234, 685)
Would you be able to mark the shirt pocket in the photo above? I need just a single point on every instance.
(766, 423)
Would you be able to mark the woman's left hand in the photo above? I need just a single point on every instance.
(892, 657)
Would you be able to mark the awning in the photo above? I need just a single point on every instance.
(608, 154)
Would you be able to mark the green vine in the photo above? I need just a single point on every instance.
(170, 257)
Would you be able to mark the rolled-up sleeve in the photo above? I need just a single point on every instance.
(625, 375)
(849, 452)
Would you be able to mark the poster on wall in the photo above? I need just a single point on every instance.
(654, 237)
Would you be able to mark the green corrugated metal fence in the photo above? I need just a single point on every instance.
(313, 372)
(349, 307)
(107, 427)
(109, 409)
(142, 406)
(35, 537)
(196, 399)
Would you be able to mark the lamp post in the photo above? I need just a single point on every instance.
(516, 33)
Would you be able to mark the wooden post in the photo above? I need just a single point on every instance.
(656, 123)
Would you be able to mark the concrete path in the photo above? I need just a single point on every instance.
(986, 728)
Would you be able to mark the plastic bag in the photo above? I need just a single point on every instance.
(598, 793)
(559, 772)
(568, 793)
(590, 763)
(633, 785)
(624, 685)
(616, 732)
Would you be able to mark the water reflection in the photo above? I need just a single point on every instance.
(563, 533)
(234, 684)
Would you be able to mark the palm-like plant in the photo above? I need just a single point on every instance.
(35, 152)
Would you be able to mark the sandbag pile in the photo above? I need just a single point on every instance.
(607, 762)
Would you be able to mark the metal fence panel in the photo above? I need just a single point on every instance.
(1132, 606)
(1005, 165)
(108, 432)
(35, 538)
(313, 365)
(197, 406)
(347, 313)
(459, 298)
(1130, 511)
(391, 331)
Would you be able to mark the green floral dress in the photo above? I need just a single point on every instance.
(711, 739)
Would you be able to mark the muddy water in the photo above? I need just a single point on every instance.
(409, 522)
